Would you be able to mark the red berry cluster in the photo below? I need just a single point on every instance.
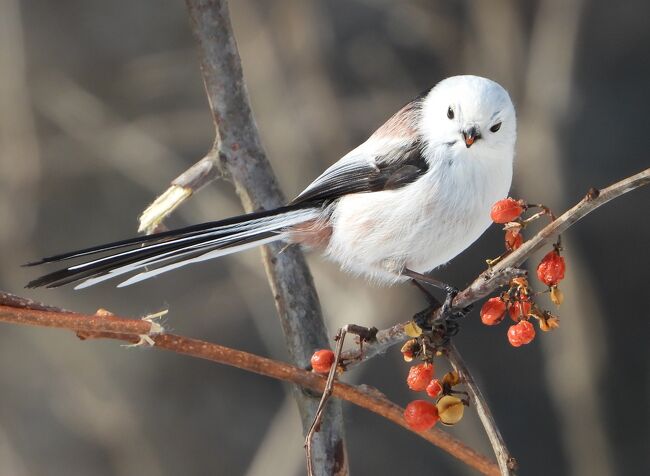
(518, 300)
(420, 415)
(519, 303)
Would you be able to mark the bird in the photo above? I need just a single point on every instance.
(406, 201)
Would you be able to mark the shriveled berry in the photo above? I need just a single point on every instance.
(450, 409)
(519, 309)
(548, 322)
(551, 269)
(520, 282)
(513, 240)
(557, 296)
(322, 361)
(434, 388)
(420, 415)
(492, 311)
(521, 333)
(419, 376)
(410, 349)
(451, 378)
(506, 210)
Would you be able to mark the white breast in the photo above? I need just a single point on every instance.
(423, 225)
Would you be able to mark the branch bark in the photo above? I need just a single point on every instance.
(507, 463)
(132, 330)
(500, 274)
(237, 155)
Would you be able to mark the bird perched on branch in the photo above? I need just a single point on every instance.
(410, 198)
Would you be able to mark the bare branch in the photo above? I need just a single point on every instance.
(130, 330)
(8, 299)
(238, 156)
(594, 199)
(499, 275)
(507, 463)
(77, 322)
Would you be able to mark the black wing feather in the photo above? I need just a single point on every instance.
(359, 177)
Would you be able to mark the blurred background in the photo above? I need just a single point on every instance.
(102, 105)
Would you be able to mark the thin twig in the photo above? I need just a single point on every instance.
(129, 330)
(507, 463)
(365, 334)
(327, 393)
(491, 279)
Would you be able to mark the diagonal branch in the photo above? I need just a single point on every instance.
(131, 330)
(507, 463)
(238, 156)
(499, 275)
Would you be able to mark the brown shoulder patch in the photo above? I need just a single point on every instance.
(312, 233)
(403, 123)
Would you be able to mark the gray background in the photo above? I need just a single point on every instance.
(101, 105)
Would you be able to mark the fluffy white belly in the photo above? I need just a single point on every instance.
(420, 226)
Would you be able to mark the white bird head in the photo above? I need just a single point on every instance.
(472, 115)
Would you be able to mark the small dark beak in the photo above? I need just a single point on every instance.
(471, 135)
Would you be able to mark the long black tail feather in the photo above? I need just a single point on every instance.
(158, 237)
(169, 247)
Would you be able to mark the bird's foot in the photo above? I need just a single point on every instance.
(445, 324)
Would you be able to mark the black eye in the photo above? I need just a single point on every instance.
(495, 127)
(450, 113)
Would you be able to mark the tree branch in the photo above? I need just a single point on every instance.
(131, 330)
(491, 279)
(394, 335)
(237, 155)
(507, 463)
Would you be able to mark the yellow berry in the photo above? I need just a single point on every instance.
(450, 409)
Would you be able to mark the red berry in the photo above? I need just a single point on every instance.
(492, 311)
(506, 210)
(519, 309)
(322, 360)
(419, 376)
(434, 388)
(513, 240)
(551, 269)
(521, 333)
(420, 415)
